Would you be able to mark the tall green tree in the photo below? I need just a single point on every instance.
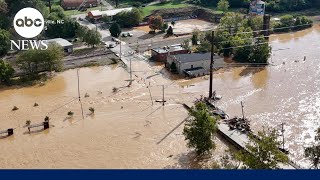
(260, 51)
(115, 30)
(6, 72)
(155, 23)
(223, 5)
(4, 42)
(92, 38)
(128, 18)
(200, 129)
(263, 151)
(313, 152)
(34, 61)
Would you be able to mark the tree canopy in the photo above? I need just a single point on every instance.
(128, 18)
(4, 42)
(235, 36)
(6, 71)
(223, 5)
(200, 129)
(34, 60)
(115, 30)
(263, 151)
(313, 152)
(155, 23)
(92, 38)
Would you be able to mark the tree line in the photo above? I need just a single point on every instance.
(236, 37)
(271, 5)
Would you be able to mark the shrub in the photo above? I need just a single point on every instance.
(35, 105)
(114, 89)
(28, 122)
(15, 108)
(46, 119)
(70, 113)
(91, 109)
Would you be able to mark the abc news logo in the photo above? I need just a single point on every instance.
(29, 23)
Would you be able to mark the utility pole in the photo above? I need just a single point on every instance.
(49, 6)
(120, 49)
(242, 110)
(162, 95)
(266, 26)
(79, 93)
(211, 64)
(137, 50)
(130, 72)
(282, 131)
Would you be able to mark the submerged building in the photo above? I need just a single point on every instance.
(194, 64)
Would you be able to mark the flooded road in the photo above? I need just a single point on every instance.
(288, 91)
(128, 130)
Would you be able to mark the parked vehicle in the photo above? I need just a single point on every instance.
(115, 40)
(126, 34)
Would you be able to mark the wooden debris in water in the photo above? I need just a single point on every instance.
(240, 124)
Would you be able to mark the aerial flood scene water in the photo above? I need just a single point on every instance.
(127, 131)
(115, 107)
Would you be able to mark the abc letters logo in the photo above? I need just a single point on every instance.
(28, 22)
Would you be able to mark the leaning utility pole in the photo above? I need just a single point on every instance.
(211, 64)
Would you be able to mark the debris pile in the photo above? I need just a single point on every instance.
(240, 124)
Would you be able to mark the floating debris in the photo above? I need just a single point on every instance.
(15, 108)
(240, 124)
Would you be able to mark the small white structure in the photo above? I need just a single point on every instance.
(66, 45)
(195, 64)
(257, 7)
(96, 14)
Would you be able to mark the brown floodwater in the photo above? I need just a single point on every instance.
(288, 91)
(127, 130)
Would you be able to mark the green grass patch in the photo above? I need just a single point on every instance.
(148, 9)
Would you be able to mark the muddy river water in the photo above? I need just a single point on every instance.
(129, 130)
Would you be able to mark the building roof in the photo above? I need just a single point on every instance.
(77, 2)
(113, 12)
(170, 49)
(60, 41)
(96, 13)
(192, 57)
(195, 71)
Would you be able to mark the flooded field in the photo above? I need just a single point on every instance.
(127, 131)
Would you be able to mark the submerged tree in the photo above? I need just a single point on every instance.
(313, 152)
(263, 151)
(200, 129)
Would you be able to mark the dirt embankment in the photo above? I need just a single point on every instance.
(201, 13)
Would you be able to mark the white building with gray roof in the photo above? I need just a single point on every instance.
(65, 44)
(195, 64)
